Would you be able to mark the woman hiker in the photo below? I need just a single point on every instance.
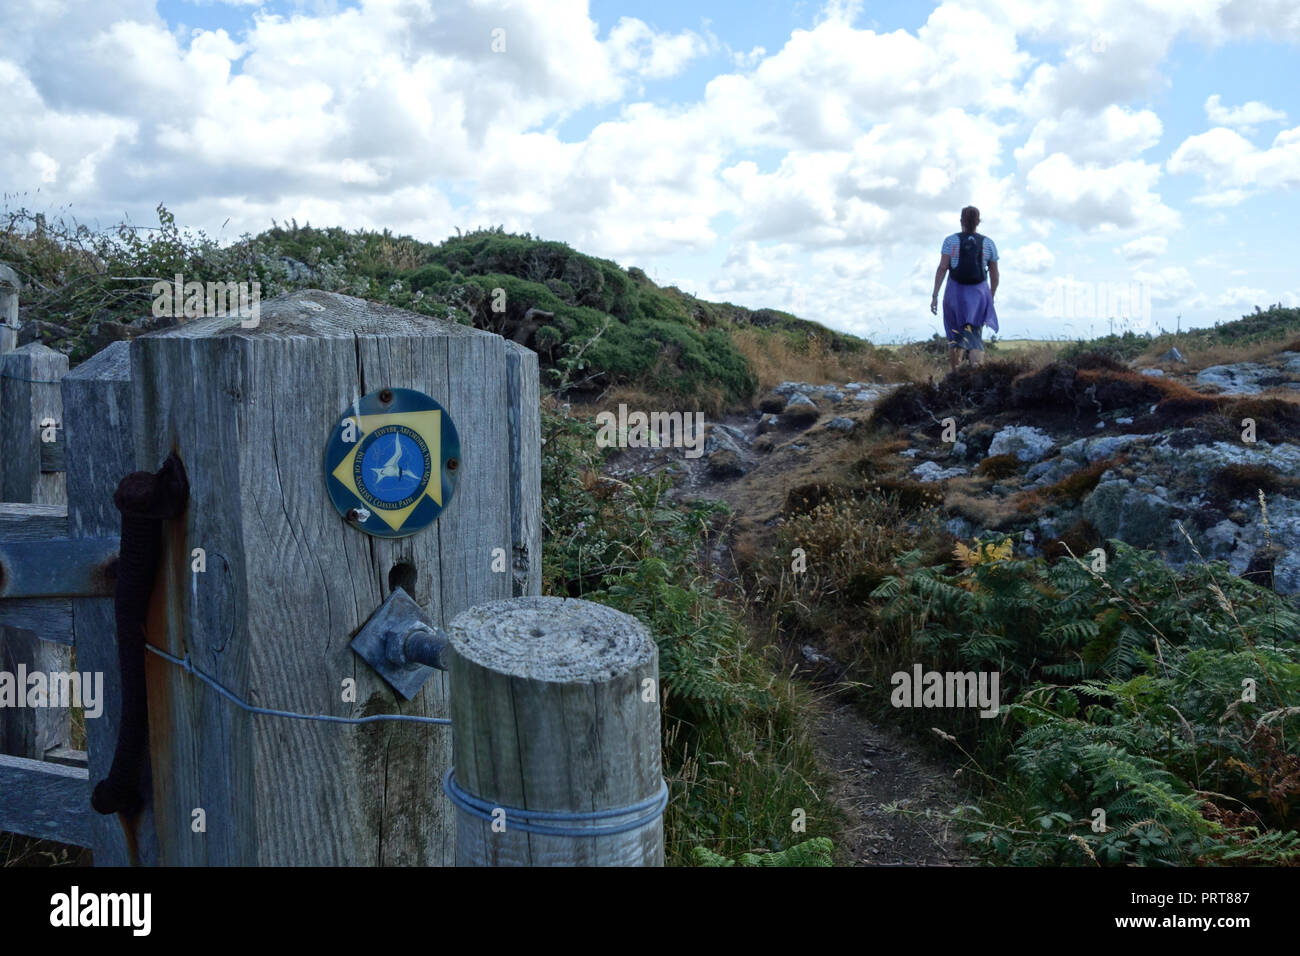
(968, 300)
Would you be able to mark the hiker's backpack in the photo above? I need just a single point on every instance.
(970, 259)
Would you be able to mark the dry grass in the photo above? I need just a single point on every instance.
(984, 512)
(1203, 357)
(644, 399)
(776, 359)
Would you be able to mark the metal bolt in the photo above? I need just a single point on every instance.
(453, 464)
(386, 395)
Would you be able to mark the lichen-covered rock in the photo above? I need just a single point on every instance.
(724, 437)
(933, 471)
(1087, 450)
(1026, 442)
(1139, 518)
(1243, 378)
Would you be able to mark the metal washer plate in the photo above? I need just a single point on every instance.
(392, 462)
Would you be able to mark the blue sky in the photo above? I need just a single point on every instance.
(1136, 162)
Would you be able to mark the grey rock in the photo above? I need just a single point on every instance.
(832, 395)
(724, 464)
(1024, 441)
(723, 438)
(958, 527)
(798, 398)
(1153, 372)
(1243, 378)
(1283, 456)
(839, 423)
(909, 452)
(1173, 355)
(1119, 510)
(932, 471)
(814, 656)
(1126, 420)
(958, 449)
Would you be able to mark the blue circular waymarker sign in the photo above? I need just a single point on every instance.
(392, 462)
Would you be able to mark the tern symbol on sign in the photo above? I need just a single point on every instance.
(391, 468)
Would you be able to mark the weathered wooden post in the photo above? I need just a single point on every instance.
(97, 409)
(31, 423)
(264, 583)
(555, 705)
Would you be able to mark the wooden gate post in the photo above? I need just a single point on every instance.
(31, 409)
(97, 409)
(555, 706)
(287, 582)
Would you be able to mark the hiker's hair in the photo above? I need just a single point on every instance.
(970, 218)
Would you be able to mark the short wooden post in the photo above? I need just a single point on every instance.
(97, 409)
(288, 582)
(31, 408)
(555, 706)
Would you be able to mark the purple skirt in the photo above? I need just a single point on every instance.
(967, 305)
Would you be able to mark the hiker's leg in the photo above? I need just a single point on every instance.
(954, 356)
(976, 356)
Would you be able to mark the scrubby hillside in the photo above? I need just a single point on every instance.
(86, 289)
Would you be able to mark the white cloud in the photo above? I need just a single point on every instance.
(1240, 296)
(1244, 117)
(638, 49)
(1111, 135)
(1144, 247)
(1033, 257)
(1092, 196)
(1232, 166)
(1167, 286)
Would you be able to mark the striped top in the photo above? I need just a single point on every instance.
(952, 247)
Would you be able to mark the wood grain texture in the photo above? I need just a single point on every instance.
(45, 800)
(525, 470)
(51, 618)
(288, 582)
(549, 714)
(29, 395)
(97, 414)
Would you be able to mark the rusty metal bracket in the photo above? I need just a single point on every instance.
(58, 567)
(402, 644)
